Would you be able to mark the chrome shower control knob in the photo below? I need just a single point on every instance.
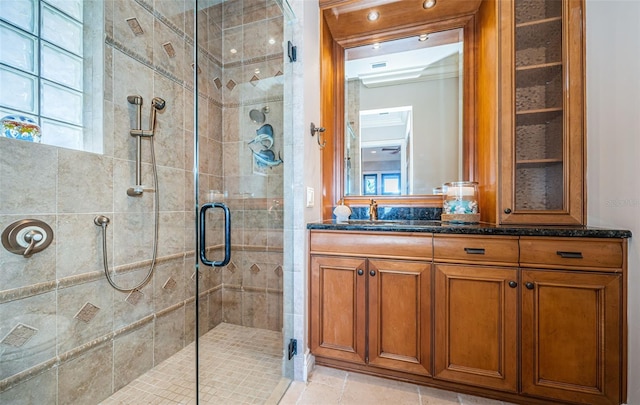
(26, 237)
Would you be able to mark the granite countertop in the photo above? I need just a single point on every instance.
(431, 226)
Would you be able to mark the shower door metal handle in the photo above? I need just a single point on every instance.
(227, 235)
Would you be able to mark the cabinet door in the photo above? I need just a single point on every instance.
(571, 336)
(400, 315)
(542, 119)
(338, 308)
(476, 325)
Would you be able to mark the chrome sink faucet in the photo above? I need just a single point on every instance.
(373, 210)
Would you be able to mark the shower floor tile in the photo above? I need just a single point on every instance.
(238, 365)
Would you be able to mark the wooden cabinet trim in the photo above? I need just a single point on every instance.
(392, 245)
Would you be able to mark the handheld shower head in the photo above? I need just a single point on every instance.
(158, 103)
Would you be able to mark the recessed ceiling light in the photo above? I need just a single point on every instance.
(257, 71)
(428, 3)
(373, 15)
(233, 50)
(272, 41)
(376, 45)
(423, 37)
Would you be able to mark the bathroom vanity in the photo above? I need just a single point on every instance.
(523, 314)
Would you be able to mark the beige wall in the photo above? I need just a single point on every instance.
(613, 148)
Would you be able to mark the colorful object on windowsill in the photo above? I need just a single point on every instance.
(20, 127)
(460, 202)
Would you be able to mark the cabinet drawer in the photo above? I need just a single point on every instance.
(465, 248)
(571, 252)
(372, 244)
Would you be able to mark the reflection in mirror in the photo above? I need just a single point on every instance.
(403, 113)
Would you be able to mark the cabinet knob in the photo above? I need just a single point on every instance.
(513, 284)
(360, 272)
(507, 210)
(372, 273)
(529, 285)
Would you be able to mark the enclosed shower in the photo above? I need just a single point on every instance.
(123, 290)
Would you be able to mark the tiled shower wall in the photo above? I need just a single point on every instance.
(65, 335)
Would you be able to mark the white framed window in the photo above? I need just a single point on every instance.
(42, 69)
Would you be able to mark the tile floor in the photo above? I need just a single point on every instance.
(248, 364)
(327, 386)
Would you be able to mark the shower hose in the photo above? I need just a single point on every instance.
(103, 221)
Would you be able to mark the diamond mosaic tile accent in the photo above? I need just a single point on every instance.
(170, 284)
(134, 297)
(135, 26)
(278, 271)
(168, 48)
(193, 67)
(87, 312)
(19, 335)
(254, 80)
(231, 85)
(255, 269)
(232, 267)
(217, 82)
(278, 73)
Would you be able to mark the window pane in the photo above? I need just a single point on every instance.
(61, 104)
(21, 13)
(59, 134)
(61, 67)
(71, 7)
(61, 30)
(18, 90)
(17, 49)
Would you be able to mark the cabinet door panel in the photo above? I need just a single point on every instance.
(571, 336)
(400, 315)
(338, 308)
(475, 323)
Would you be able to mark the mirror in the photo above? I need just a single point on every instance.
(404, 115)
(346, 30)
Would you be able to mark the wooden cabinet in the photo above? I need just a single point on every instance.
(476, 325)
(532, 136)
(542, 128)
(372, 311)
(521, 318)
(476, 307)
(572, 317)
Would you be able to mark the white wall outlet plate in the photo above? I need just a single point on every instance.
(310, 197)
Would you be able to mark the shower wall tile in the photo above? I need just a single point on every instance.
(254, 38)
(168, 337)
(18, 271)
(125, 312)
(232, 306)
(168, 140)
(84, 182)
(232, 13)
(254, 309)
(36, 312)
(41, 389)
(127, 73)
(170, 233)
(108, 72)
(215, 308)
(204, 320)
(73, 332)
(140, 44)
(189, 322)
(274, 311)
(25, 167)
(215, 119)
(79, 245)
(171, 188)
(108, 128)
(87, 379)
(231, 124)
(133, 236)
(173, 10)
(108, 16)
(165, 295)
(123, 179)
(132, 355)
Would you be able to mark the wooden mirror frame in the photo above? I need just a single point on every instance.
(402, 22)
